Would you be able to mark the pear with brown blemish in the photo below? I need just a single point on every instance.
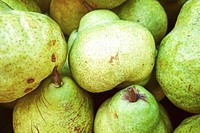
(58, 105)
(178, 60)
(132, 109)
(110, 53)
(32, 44)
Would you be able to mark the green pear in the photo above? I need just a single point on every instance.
(172, 9)
(25, 5)
(32, 44)
(106, 4)
(129, 110)
(58, 105)
(148, 13)
(4, 6)
(190, 124)
(96, 17)
(108, 54)
(178, 60)
(67, 13)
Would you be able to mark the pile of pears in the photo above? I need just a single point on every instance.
(99, 66)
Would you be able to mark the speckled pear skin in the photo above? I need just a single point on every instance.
(178, 60)
(32, 44)
(25, 5)
(148, 13)
(53, 109)
(189, 125)
(106, 55)
(118, 115)
(4, 6)
(105, 4)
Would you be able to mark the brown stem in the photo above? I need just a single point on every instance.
(131, 94)
(56, 77)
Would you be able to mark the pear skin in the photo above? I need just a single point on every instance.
(67, 13)
(32, 44)
(105, 4)
(148, 13)
(128, 111)
(57, 105)
(178, 60)
(106, 55)
(24, 5)
(189, 125)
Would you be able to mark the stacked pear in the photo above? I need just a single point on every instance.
(24, 5)
(149, 13)
(190, 124)
(107, 51)
(58, 105)
(32, 44)
(178, 60)
(132, 109)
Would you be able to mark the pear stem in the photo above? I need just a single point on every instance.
(56, 77)
(131, 95)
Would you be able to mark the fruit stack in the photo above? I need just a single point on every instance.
(99, 66)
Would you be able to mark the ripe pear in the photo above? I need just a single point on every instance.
(190, 124)
(58, 105)
(148, 13)
(25, 5)
(105, 4)
(32, 44)
(67, 13)
(129, 110)
(108, 54)
(178, 60)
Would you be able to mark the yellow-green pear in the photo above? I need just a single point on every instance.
(148, 13)
(58, 105)
(4, 6)
(25, 5)
(178, 60)
(108, 54)
(67, 13)
(105, 4)
(32, 44)
(132, 109)
(190, 124)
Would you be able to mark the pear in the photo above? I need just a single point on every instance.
(153, 86)
(106, 4)
(172, 9)
(44, 5)
(111, 53)
(32, 44)
(25, 5)
(178, 60)
(189, 125)
(148, 13)
(129, 110)
(58, 105)
(4, 6)
(67, 13)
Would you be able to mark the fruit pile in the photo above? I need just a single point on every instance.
(99, 66)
